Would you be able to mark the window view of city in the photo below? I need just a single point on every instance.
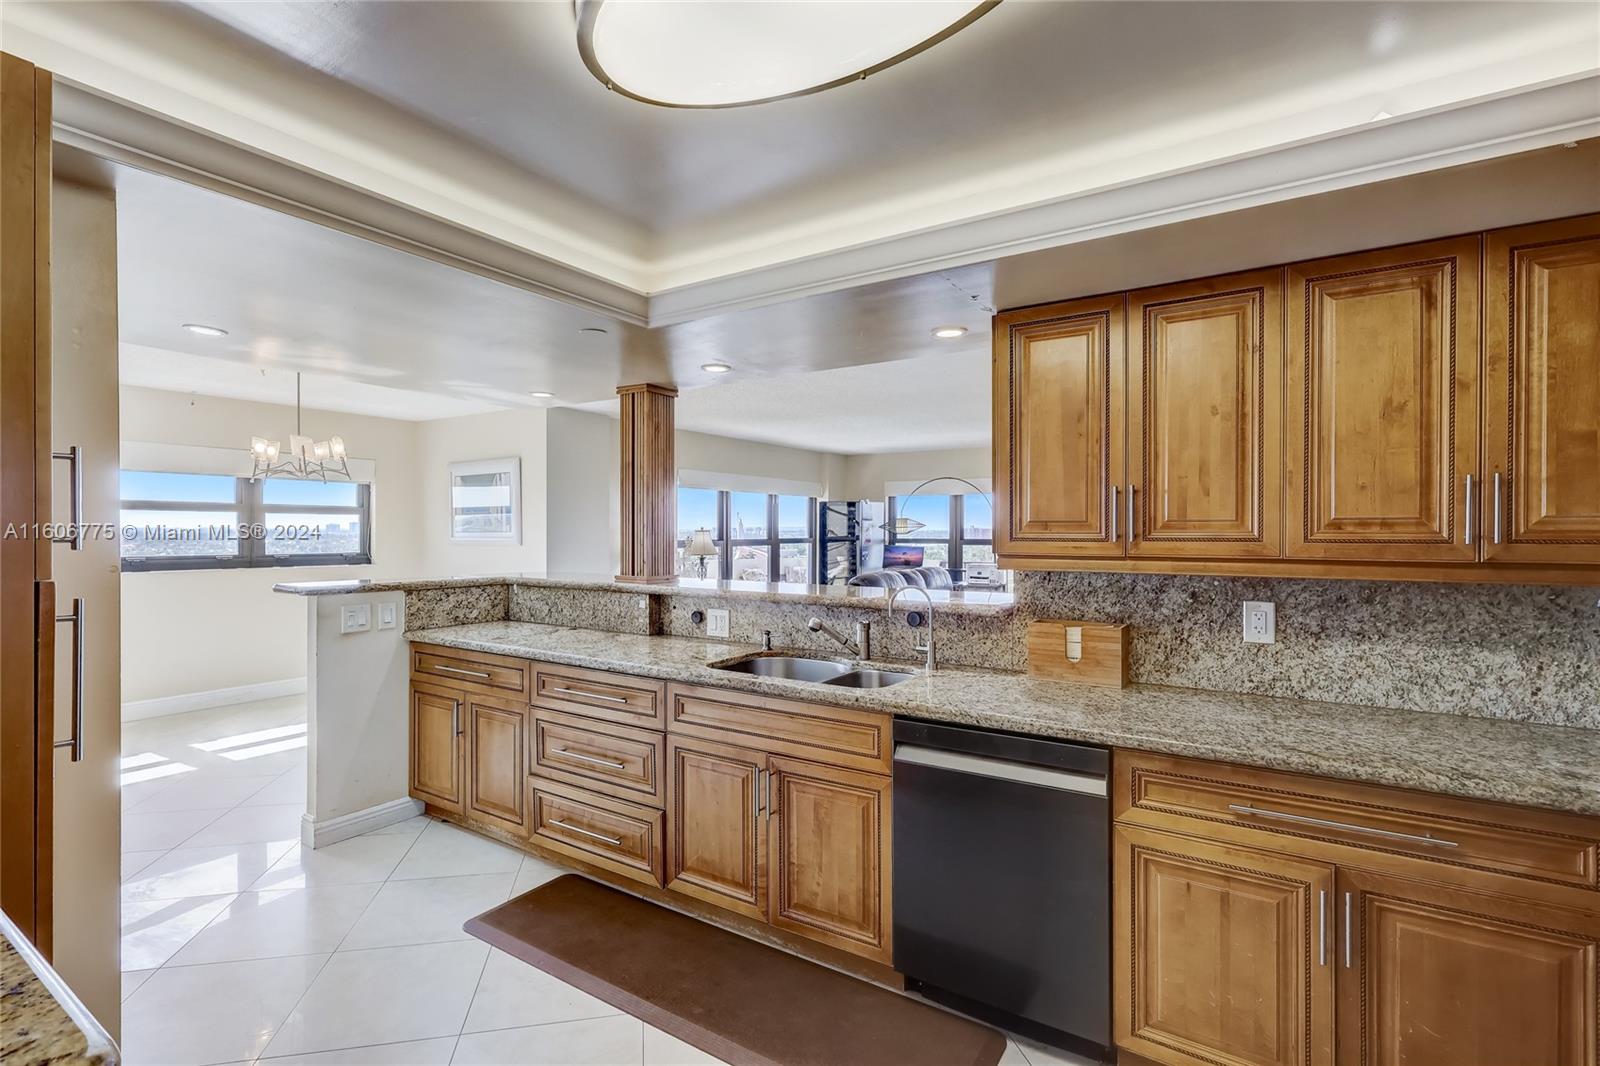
(758, 536)
(969, 515)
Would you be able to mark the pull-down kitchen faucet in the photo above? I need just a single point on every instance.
(860, 648)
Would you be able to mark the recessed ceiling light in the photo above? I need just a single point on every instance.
(205, 331)
(728, 55)
(715, 368)
(1380, 116)
(542, 395)
(946, 333)
(594, 329)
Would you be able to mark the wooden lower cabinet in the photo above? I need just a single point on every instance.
(716, 846)
(1435, 975)
(437, 747)
(497, 762)
(1221, 953)
(830, 855)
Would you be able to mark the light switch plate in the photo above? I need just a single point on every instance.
(356, 618)
(387, 613)
(1260, 622)
(716, 622)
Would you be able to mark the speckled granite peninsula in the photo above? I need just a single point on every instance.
(41, 1022)
(1544, 766)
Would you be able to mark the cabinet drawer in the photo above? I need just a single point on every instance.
(838, 736)
(617, 835)
(490, 673)
(597, 694)
(615, 759)
(1163, 792)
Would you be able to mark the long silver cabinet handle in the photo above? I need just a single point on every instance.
(1322, 927)
(1466, 533)
(1116, 506)
(588, 695)
(1347, 924)
(581, 757)
(772, 796)
(1132, 513)
(587, 832)
(455, 716)
(1499, 530)
(73, 456)
(75, 742)
(467, 673)
(1349, 827)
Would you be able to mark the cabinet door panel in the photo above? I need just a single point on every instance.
(1542, 410)
(497, 763)
(1220, 953)
(830, 855)
(1059, 381)
(1444, 977)
(436, 747)
(716, 848)
(1204, 417)
(1383, 380)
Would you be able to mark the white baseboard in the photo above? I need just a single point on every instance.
(315, 834)
(217, 697)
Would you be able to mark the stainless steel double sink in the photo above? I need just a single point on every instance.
(817, 671)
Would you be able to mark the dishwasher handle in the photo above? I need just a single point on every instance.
(1001, 769)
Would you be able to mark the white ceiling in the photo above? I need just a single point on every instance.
(483, 115)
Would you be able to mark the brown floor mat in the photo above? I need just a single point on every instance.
(741, 1001)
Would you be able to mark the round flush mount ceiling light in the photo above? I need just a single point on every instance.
(205, 331)
(715, 368)
(542, 395)
(707, 53)
(949, 333)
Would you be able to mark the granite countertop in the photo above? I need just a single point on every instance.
(1479, 758)
(41, 1021)
(959, 601)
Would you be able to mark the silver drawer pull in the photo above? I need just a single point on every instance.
(469, 673)
(591, 758)
(613, 841)
(1348, 827)
(587, 695)
(75, 742)
(74, 458)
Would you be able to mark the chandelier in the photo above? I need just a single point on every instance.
(307, 460)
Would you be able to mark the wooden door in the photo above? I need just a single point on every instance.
(716, 840)
(1542, 392)
(437, 751)
(830, 855)
(27, 595)
(497, 762)
(1439, 976)
(1221, 955)
(1059, 379)
(1383, 383)
(1204, 416)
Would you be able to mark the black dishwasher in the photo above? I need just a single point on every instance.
(1002, 877)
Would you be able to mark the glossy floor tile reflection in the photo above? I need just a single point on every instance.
(240, 946)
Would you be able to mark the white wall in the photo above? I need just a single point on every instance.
(749, 458)
(202, 630)
(866, 476)
(583, 519)
(492, 436)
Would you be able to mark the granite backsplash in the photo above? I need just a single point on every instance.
(1524, 653)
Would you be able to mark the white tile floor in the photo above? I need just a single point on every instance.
(239, 947)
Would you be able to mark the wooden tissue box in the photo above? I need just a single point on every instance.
(1090, 653)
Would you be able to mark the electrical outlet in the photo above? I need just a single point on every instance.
(356, 618)
(387, 614)
(716, 622)
(1260, 622)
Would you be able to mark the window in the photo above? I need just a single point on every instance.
(214, 521)
(758, 536)
(486, 500)
(956, 530)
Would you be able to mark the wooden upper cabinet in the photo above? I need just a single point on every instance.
(1058, 428)
(437, 748)
(1204, 407)
(830, 855)
(1542, 392)
(1383, 378)
(1439, 976)
(1222, 954)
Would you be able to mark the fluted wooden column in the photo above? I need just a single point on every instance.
(649, 484)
